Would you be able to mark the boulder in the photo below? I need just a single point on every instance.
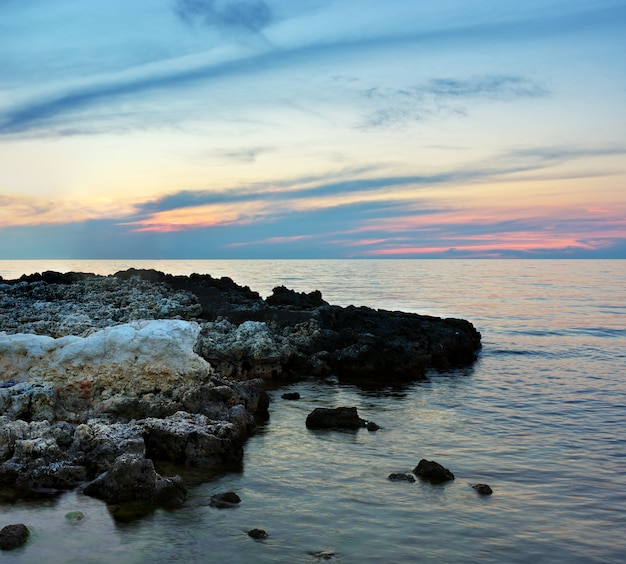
(334, 418)
(293, 396)
(132, 478)
(433, 472)
(192, 440)
(13, 536)
(98, 443)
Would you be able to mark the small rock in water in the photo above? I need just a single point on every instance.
(371, 426)
(483, 489)
(258, 534)
(75, 516)
(291, 396)
(324, 555)
(337, 418)
(432, 471)
(13, 536)
(400, 477)
(225, 500)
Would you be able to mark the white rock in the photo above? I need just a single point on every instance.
(135, 357)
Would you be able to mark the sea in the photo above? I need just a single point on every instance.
(540, 417)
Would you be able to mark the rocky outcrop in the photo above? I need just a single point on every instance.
(287, 335)
(102, 375)
(132, 478)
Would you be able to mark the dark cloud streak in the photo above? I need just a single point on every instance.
(251, 15)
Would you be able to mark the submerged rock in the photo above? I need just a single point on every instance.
(433, 472)
(483, 489)
(225, 500)
(401, 477)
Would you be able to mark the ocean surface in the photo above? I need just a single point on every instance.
(540, 417)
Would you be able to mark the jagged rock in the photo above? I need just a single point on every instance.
(244, 351)
(98, 443)
(483, 489)
(432, 471)
(193, 440)
(35, 456)
(225, 500)
(282, 296)
(334, 418)
(401, 477)
(132, 478)
(13, 536)
(58, 304)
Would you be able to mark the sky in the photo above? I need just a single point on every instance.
(192, 129)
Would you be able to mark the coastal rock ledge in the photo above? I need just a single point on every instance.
(100, 373)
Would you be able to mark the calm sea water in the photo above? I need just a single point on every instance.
(540, 417)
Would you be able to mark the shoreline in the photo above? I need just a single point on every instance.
(87, 398)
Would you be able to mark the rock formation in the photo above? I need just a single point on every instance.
(100, 376)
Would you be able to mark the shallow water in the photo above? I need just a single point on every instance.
(539, 417)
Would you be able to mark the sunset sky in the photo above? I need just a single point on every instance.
(312, 128)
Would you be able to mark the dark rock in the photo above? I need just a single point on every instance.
(371, 426)
(258, 534)
(132, 478)
(337, 418)
(432, 471)
(483, 489)
(13, 536)
(285, 297)
(225, 500)
(400, 477)
(291, 396)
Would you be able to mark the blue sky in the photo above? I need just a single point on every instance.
(312, 129)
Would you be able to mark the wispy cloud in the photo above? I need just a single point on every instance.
(251, 15)
(58, 111)
(443, 97)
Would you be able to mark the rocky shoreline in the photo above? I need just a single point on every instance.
(101, 377)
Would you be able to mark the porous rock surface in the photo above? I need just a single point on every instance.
(102, 375)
